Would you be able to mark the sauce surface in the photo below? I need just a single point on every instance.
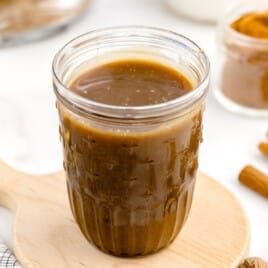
(132, 83)
(131, 192)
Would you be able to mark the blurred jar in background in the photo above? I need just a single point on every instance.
(242, 84)
(204, 10)
(26, 20)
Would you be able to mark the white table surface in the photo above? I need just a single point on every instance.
(29, 137)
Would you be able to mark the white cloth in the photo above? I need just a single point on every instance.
(7, 259)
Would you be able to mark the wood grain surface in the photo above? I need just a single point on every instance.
(45, 235)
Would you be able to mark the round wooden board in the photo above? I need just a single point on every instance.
(216, 234)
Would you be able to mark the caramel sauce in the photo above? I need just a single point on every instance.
(131, 192)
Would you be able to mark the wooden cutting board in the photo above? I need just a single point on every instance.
(45, 235)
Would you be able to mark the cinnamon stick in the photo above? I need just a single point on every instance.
(263, 147)
(255, 180)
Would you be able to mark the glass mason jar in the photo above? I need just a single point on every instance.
(130, 170)
(242, 83)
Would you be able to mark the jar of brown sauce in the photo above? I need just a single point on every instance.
(130, 101)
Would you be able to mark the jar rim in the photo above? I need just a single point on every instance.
(178, 104)
(245, 39)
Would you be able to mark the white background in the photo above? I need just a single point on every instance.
(28, 120)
